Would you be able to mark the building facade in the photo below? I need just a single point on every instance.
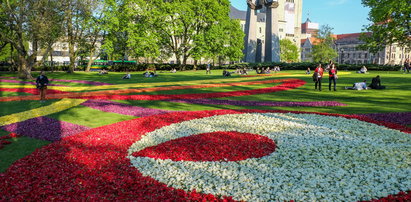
(349, 52)
(347, 47)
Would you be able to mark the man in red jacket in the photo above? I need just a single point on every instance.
(333, 77)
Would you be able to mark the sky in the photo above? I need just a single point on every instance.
(345, 16)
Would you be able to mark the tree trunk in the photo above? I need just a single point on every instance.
(184, 62)
(71, 40)
(24, 68)
(195, 65)
(72, 57)
(178, 58)
(90, 61)
(51, 60)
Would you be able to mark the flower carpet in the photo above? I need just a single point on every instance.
(197, 155)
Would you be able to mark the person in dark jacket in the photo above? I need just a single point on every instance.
(376, 83)
(41, 82)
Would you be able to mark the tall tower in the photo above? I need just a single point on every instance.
(250, 45)
(282, 20)
(272, 39)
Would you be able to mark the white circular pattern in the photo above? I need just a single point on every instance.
(317, 158)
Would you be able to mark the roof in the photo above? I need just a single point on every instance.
(352, 35)
(237, 14)
(303, 41)
(312, 40)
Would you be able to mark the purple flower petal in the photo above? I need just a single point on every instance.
(402, 118)
(259, 103)
(45, 128)
(25, 82)
(119, 108)
(95, 83)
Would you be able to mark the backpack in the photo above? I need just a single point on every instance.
(315, 76)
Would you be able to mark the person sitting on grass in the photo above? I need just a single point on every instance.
(103, 71)
(244, 71)
(363, 70)
(358, 86)
(277, 69)
(376, 83)
(127, 76)
(146, 74)
(258, 70)
(226, 73)
(268, 70)
(153, 74)
(308, 71)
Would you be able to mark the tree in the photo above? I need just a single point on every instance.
(144, 40)
(28, 20)
(89, 45)
(324, 51)
(288, 51)
(116, 20)
(176, 27)
(78, 15)
(391, 23)
(224, 40)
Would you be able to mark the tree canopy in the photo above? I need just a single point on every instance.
(324, 51)
(391, 23)
(288, 51)
(153, 29)
(184, 29)
(28, 20)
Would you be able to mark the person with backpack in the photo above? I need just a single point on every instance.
(318, 76)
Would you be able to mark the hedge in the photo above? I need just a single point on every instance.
(168, 67)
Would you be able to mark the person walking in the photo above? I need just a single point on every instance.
(318, 76)
(333, 77)
(41, 83)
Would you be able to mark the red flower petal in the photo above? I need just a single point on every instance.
(217, 146)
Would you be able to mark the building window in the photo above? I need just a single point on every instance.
(57, 53)
(366, 55)
(260, 30)
(281, 30)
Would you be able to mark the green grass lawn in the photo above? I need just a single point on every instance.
(396, 98)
